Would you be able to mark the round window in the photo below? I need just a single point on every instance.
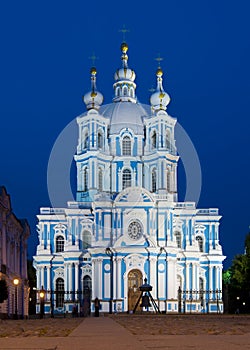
(135, 230)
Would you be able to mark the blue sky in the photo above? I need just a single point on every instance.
(44, 70)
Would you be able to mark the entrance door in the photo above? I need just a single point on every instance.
(134, 282)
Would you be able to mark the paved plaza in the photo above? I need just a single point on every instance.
(139, 332)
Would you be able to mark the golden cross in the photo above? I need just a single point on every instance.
(93, 58)
(124, 31)
(159, 59)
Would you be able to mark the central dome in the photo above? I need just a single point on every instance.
(125, 115)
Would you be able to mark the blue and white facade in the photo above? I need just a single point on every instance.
(127, 223)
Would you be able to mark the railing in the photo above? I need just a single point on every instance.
(52, 211)
(185, 205)
(202, 297)
(210, 211)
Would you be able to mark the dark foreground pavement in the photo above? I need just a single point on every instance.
(104, 333)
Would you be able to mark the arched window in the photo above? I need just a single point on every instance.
(99, 139)
(86, 141)
(168, 180)
(87, 283)
(86, 239)
(153, 140)
(126, 146)
(59, 244)
(153, 180)
(85, 180)
(59, 292)
(100, 180)
(200, 243)
(178, 239)
(168, 143)
(179, 281)
(126, 178)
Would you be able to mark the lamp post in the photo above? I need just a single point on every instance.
(16, 282)
(110, 254)
(42, 295)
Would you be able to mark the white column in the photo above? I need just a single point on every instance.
(93, 278)
(118, 277)
(114, 277)
(76, 277)
(210, 287)
(152, 282)
(187, 276)
(42, 276)
(70, 280)
(99, 262)
(171, 273)
(66, 279)
(48, 278)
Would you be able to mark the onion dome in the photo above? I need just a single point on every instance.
(124, 86)
(93, 98)
(159, 99)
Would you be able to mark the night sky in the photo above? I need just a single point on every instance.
(44, 71)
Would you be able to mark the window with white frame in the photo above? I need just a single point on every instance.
(168, 180)
(126, 146)
(100, 180)
(86, 239)
(199, 239)
(86, 140)
(100, 139)
(85, 179)
(126, 178)
(153, 140)
(178, 239)
(59, 292)
(168, 143)
(59, 244)
(153, 180)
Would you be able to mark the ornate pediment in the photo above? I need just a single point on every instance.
(134, 194)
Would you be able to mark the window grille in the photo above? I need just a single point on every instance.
(59, 244)
(154, 180)
(178, 239)
(59, 292)
(85, 180)
(126, 178)
(126, 146)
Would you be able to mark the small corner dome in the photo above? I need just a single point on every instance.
(93, 99)
(159, 99)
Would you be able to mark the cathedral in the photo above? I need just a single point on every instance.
(126, 224)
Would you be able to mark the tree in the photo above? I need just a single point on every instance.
(239, 281)
(3, 291)
(32, 285)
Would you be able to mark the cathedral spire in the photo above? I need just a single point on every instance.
(124, 87)
(93, 98)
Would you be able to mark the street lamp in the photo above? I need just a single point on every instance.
(110, 254)
(42, 295)
(16, 282)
